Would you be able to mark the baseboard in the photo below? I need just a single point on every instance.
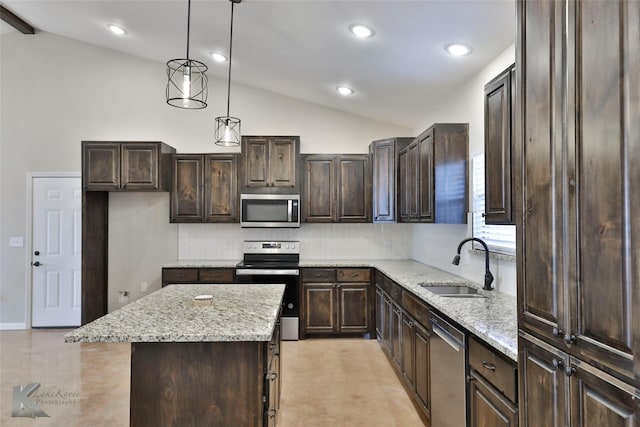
(12, 326)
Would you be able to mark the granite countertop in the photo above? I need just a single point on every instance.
(493, 319)
(239, 313)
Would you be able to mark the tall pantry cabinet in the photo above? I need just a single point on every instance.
(578, 213)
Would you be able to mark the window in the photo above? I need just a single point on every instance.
(499, 238)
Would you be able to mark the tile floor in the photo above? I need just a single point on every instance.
(339, 382)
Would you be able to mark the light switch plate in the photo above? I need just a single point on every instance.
(16, 242)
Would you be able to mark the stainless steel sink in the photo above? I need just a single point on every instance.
(461, 291)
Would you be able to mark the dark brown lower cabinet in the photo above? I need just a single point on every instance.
(487, 407)
(193, 275)
(395, 332)
(319, 308)
(336, 302)
(415, 362)
(205, 383)
(380, 314)
(557, 390)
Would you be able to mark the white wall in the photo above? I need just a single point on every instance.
(57, 92)
(436, 244)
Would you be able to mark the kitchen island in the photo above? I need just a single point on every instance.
(197, 366)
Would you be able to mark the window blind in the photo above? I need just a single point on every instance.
(499, 238)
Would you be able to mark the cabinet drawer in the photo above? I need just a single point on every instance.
(416, 308)
(384, 283)
(499, 372)
(180, 275)
(320, 275)
(354, 275)
(215, 275)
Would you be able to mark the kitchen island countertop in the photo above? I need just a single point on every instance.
(238, 313)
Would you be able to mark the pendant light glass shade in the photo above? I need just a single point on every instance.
(227, 128)
(227, 131)
(186, 78)
(187, 84)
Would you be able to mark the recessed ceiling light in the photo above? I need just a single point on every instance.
(457, 49)
(218, 57)
(344, 90)
(361, 31)
(117, 30)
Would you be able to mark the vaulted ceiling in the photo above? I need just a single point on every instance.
(303, 48)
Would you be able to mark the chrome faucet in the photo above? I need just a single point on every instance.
(488, 277)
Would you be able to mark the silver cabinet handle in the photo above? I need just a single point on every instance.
(489, 366)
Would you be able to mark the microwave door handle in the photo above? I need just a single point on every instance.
(289, 209)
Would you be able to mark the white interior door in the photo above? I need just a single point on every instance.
(56, 256)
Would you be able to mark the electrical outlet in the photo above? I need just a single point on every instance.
(16, 242)
(144, 286)
(123, 297)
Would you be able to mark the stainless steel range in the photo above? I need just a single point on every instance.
(275, 262)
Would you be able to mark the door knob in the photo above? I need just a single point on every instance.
(36, 264)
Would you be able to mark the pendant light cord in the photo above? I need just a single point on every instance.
(188, 25)
(230, 56)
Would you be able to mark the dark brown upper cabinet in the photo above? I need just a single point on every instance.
(125, 166)
(337, 188)
(204, 188)
(579, 147)
(270, 164)
(499, 119)
(385, 177)
(434, 179)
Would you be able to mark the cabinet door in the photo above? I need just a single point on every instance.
(255, 152)
(388, 334)
(353, 189)
(320, 307)
(487, 407)
(395, 330)
(319, 188)
(424, 179)
(404, 187)
(187, 189)
(598, 399)
(101, 166)
(497, 149)
(544, 387)
(353, 307)
(221, 188)
(451, 173)
(422, 367)
(407, 351)
(540, 257)
(282, 162)
(379, 314)
(603, 175)
(140, 166)
(414, 186)
(383, 180)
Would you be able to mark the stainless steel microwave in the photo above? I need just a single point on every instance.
(270, 210)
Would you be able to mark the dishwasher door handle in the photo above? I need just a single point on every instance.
(446, 337)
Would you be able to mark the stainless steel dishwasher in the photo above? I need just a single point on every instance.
(448, 346)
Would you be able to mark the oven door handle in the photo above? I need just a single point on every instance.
(266, 272)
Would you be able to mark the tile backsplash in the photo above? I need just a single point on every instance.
(317, 241)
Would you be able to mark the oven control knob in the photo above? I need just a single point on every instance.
(290, 305)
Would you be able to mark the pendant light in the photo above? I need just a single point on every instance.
(187, 81)
(227, 131)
